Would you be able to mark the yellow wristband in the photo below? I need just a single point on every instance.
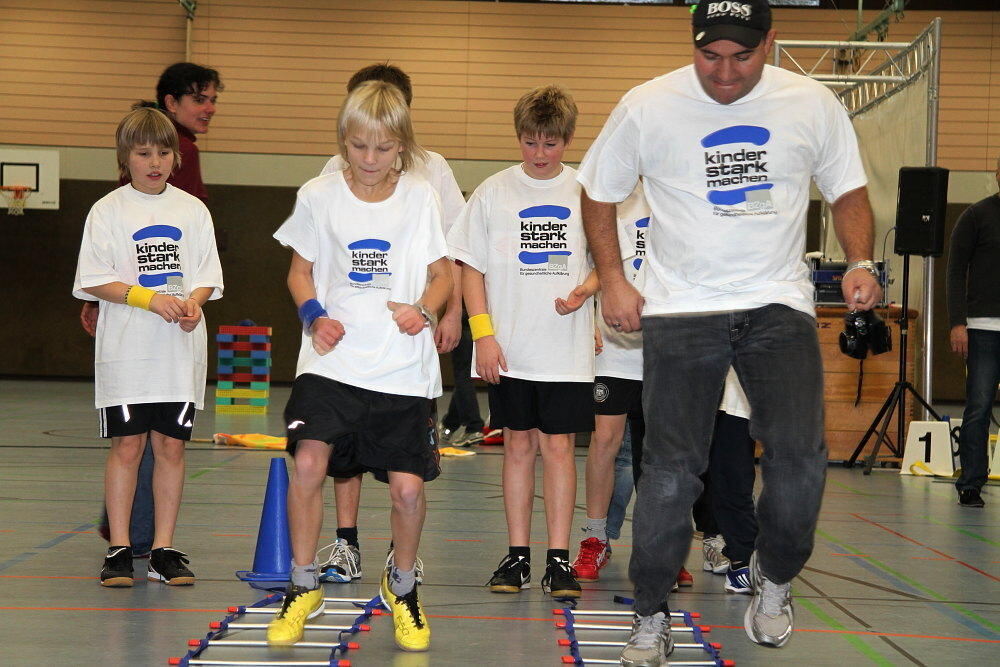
(481, 325)
(138, 296)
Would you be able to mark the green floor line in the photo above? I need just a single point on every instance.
(856, 642)
(912, 582)
(851, 489)
(964, 531)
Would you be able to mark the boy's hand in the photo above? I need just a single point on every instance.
(170, 308)
(598, 341)
(88, 317)
(191, 317)
(407, 317)
(489, 359)
(573, 302)
(448, 332)
(326, 333)
(960, 340)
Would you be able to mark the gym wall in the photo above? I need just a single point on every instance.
(74, 68)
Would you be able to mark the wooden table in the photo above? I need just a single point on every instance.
(846, 423)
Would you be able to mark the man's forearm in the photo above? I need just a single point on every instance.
(600, 222)
(854, 224)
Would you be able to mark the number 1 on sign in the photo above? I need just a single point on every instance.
(926, 439)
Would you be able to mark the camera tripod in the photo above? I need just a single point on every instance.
(896, 401)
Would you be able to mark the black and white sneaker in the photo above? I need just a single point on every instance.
(167, 564)
(560, 579)
(117, 570)
(511, 576)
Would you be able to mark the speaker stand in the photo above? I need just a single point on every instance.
(896, 401)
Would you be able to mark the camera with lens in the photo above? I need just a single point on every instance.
(864, 332)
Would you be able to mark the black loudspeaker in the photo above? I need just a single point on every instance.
(923, 195)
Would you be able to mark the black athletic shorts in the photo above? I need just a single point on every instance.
(551, 407)
(616, 396)
(174, 420)
(370, 431)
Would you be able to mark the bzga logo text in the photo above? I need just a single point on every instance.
(733, 8)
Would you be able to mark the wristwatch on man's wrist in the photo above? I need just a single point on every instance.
(866, 264)
(431, 318)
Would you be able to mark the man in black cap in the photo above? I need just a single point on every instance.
(726, 147)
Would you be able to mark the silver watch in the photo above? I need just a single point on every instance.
(431, 318)
(866, 264)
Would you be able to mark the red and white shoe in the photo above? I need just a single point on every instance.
(594, 555)
(684, 578)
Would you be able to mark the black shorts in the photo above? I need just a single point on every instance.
(174, 420)
(551, 407)
(617, 396)
(370, 431)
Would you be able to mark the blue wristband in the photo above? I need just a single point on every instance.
(309, 311)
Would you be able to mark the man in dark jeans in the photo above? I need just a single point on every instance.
(726, 148)
(974, 311)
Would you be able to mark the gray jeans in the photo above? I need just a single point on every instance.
(775, 352)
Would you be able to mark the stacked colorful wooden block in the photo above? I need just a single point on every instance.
(244, 371)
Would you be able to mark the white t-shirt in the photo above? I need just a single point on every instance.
(984, 323)
(165, 242)
(434, 170)
(622, 354)
(734, 401)
(728, 185)
(365, 254)
(526, 236)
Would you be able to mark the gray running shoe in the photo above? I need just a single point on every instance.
(711, 549)
(447, 437)
(768, 619)
(650, 642)
(342, 566)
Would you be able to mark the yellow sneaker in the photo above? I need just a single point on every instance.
(412, 631)
(289, 623)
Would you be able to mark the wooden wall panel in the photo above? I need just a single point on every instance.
(285, 66)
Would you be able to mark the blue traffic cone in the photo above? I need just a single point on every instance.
(272, 560)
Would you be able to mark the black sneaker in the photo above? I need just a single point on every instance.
(167, 564)
(512, 575)
(560, 579)
(117, 570)
(970, 498)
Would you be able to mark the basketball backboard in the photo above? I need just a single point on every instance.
(35, 168)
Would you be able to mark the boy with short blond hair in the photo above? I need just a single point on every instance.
(521, 240)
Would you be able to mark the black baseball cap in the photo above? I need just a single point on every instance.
(742, 21)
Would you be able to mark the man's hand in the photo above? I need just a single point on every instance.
(489, 359)
(598, 341)
(88, 316)
(326, 333)
(572, 303)
(860, 289)
(191, 317)
(621, 304)
(960, 340)
(407, 317)
(448, 332)
(170, 308)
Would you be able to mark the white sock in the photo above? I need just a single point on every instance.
(597, 528)
(305, 575)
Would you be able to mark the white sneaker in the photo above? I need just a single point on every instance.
(711, 549)
(650, 642)
(343, 565)
(769, 617)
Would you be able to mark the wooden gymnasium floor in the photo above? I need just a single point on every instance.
(901, 574)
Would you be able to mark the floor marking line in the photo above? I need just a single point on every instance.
(964, 531)
(940, 553)
(856, 642)
(972, 620)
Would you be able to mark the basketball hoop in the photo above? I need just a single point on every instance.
(17, 197)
